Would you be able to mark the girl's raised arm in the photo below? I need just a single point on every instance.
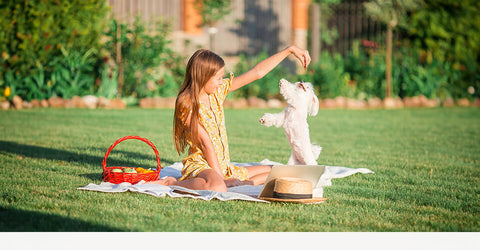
(265, 66)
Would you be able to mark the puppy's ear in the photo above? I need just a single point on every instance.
(314, 105)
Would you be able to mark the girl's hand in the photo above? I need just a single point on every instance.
(233, 182)
(302, 55)
(265, 66)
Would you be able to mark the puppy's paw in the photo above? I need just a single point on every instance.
(267, 120)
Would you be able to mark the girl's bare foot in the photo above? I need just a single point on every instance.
(165, 182)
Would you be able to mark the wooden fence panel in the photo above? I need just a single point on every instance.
(148, 10)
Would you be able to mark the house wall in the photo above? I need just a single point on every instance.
(253, 25)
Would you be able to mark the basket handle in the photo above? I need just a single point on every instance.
(104, 163)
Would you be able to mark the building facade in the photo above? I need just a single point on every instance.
(251, 27)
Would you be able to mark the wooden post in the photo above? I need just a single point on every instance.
(300, 23)
(388, 71)
(192, 20)
(315, 37)
(119, 59)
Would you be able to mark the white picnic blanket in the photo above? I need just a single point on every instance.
(245, 192)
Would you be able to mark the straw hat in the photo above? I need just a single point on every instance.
(290, 189)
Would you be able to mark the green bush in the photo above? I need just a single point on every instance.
(150, 67)
(65, 48)
(108, 82)
(328, 76)
(35, 33)
(416, 76)
(449, 30)
(361, 75)
(265, 88)
(366, 69)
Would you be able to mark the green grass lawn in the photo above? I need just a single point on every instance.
(426, 163)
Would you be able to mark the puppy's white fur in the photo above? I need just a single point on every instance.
(302, 102)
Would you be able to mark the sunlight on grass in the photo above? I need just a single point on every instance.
(426, 164)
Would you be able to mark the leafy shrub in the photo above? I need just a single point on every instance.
(73, 73)
(361, 75)
(150, 67)
(37, 85)
(328, 75)
(265, 88)
(33, 34)
(449, 31)
(416, 76)
(108, 82)
(367, 71)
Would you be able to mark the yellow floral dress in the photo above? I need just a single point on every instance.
(213, 120)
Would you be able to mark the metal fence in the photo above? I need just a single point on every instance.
(352, 23)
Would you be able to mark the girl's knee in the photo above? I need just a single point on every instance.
(213, 181)
(218, 186)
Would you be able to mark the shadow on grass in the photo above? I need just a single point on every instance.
(132, 155)
(39, 152)
(14, 220)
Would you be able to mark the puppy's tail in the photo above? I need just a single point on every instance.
(316, 151)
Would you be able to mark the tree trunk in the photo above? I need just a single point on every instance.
(388, 71)
(119, 60)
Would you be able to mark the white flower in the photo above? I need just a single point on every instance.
(471, 90)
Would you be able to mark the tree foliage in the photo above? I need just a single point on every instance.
(33, 32)
(39, 41)
(449, 30)
(391, 12)
(213, 10)
(151, 68)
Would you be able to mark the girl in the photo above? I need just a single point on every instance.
(199, 122)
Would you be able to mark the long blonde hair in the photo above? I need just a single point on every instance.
(200, 68)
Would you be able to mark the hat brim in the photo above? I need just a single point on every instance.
(304, 201)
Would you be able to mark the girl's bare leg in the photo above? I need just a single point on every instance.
(257, 175)
(208, 179)
(169, 181)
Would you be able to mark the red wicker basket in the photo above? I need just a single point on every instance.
(119, 177)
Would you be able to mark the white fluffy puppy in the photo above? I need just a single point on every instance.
(302, 102)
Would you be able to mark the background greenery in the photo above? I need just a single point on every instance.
(150, 67)
(66, 48)
(426, 164)
(361, 75)
(50, 48)
(265, 88)
(448, 31)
